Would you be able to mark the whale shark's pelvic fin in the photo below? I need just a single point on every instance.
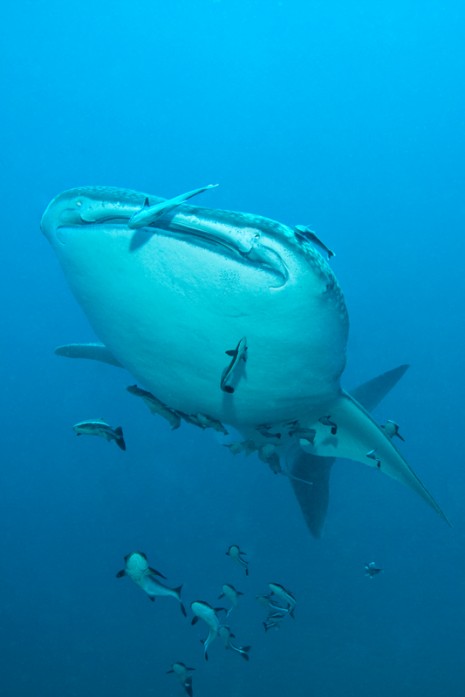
(313, 500)
(149, 214)
(358, 437)
(94, 352)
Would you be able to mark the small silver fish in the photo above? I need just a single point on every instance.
(139, 571)
(236, 555)
(372, 569)
(284, 595)
(268, 453)
(272, 622)
(238, 354)
(302, 232)
(156, 406)
(246, 446)
(97, 427)
(391, 429)
(232, 595)
(149, 214)
(273, 607)
(306, 433)
(181, 671)
(267, 433)
(226, 636)
(205, 421)
(373, 456)
(203, 611)
(326, 421)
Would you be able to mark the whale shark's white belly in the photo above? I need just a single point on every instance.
(169, 311)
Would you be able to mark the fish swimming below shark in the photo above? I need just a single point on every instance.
(136, 568)
(170, 288)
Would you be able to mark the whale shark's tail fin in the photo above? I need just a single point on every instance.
(308, 467)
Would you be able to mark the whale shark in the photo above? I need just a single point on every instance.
(230, 315)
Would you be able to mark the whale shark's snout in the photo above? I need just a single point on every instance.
(90, 205)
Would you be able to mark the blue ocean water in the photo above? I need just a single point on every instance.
(348, 117)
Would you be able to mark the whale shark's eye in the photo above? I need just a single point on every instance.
(78, 203)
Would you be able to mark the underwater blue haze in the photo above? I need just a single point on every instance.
(349, 117)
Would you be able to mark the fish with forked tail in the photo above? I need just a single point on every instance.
(139, 571)
(226, 636)
(372, 569)
(156, 406)
(284, 595)
(97, 427)
(236, 555)
(181, 671)
(149, 214)
(232, 595)
(207, 613)
(302, 232)
(230, 373)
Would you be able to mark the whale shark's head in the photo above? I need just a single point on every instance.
(170, 298)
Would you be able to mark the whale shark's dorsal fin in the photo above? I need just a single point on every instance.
(149, 214)
(370, 394)
(93, 351)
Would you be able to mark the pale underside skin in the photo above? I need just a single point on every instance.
(169, 300)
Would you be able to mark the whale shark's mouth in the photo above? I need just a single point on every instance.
(280, 251)
(234, 235)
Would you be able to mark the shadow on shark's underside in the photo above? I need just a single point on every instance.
(311, 474)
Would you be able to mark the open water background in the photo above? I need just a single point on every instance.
(348, 117)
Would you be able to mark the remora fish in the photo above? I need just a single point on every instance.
(204, 611)
(97, 427)
(226, 636)
(232, 595)
(230, 373)
(182, 673)
(254, 278)
(272, 622)
(372, 569)
(139, 571)
(391, 429)
(284, 595)
(156, 407)
(304, 233)
(149, 214)
(275, 610)
(236, 555)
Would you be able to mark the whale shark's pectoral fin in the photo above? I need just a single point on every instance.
(94, 352)
(149, 214)
(358, 437)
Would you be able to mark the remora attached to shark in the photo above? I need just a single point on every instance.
(169, 288)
